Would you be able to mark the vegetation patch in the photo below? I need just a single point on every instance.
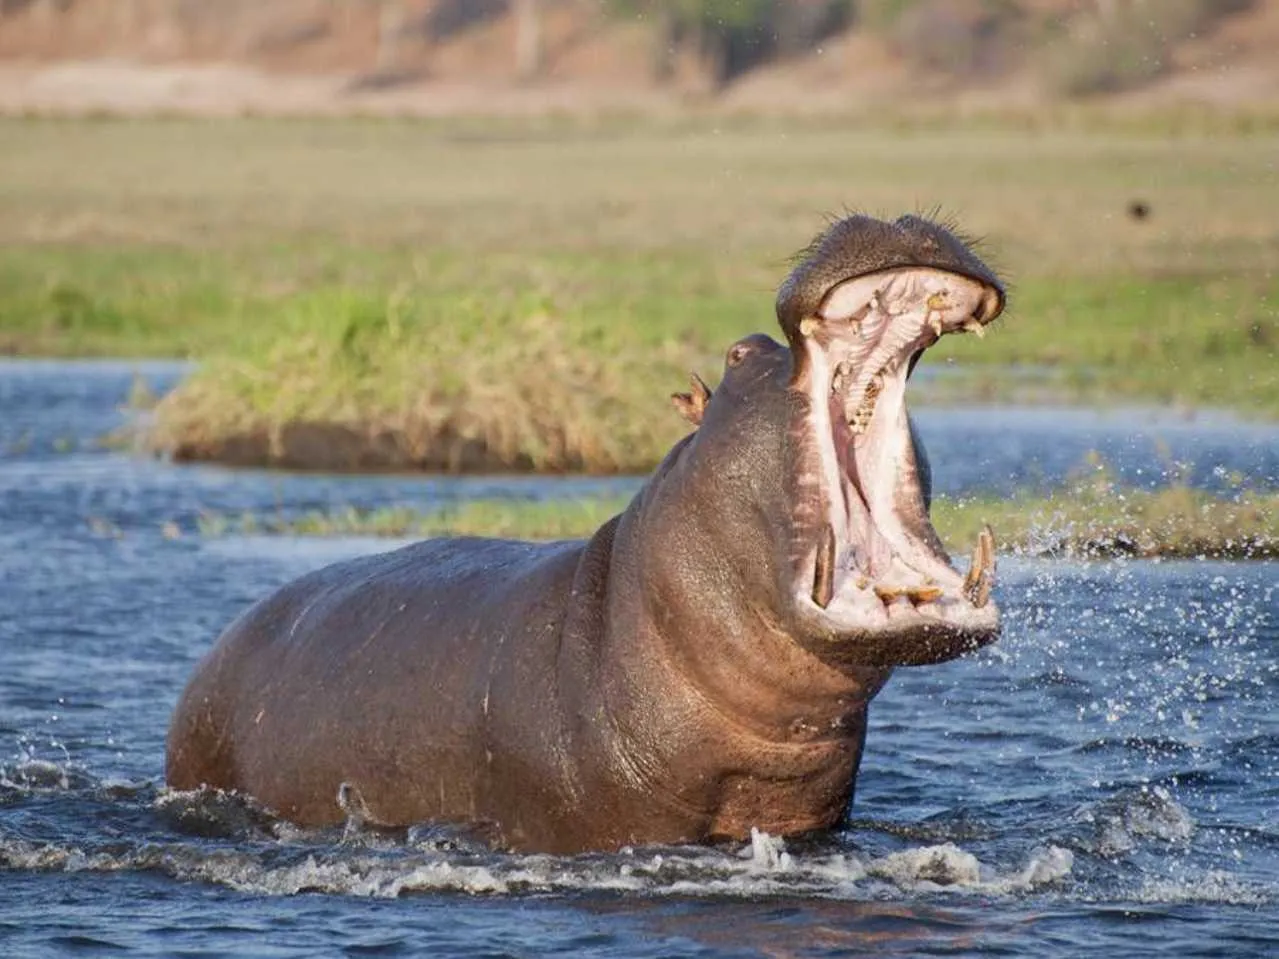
(362, 388)
(1096, 520)
(513, 519)
(570, 371)
(525, 296)
(575, 375)
(1102, 520)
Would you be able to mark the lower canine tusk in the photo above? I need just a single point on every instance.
(824, 569)
(981, 570)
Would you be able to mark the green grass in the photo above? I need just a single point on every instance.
(514, 519)
(1209, 340)
(537, 289)
(552, 372)
(1172, 523)
(1097, 519)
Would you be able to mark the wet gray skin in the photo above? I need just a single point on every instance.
(700, 666)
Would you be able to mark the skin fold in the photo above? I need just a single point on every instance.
(672, 678)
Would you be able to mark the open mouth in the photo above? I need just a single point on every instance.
(877, 562)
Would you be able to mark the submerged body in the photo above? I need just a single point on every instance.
(700, 666)
(477, 681)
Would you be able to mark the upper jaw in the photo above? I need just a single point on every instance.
(875, 573)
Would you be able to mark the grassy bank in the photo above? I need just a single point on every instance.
(525, 295)
(1097, 520)
(558, 374)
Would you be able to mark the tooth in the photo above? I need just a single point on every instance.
(981, 570)
(824, 570)
(973, 326)
(916, 594)
(887, 594)
(807, 326)
(939, 300)
(936, 322)
(840, 379)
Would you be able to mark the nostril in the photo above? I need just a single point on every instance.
(992, 304)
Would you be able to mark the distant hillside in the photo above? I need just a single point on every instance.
(448, 56)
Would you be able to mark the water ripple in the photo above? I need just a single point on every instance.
(1105, 779)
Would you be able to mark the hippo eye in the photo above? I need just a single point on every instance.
(736, 353)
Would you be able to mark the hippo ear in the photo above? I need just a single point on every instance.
(692, 405)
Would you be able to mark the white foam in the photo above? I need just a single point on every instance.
(31, 775)
(944, 865)
(768, 853)
(1048, 865)
(764, 867)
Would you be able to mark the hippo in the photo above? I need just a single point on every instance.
(700, 666)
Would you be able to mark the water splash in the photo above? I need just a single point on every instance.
(763, 868)
(1119, 822)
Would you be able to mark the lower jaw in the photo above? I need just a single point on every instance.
(879, 569)
(895, 590)
(902, 616)
(902, 642)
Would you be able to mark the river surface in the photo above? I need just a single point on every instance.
(1105, 780)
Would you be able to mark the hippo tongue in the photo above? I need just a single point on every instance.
(861, 347)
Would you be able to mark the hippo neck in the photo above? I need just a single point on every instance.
(753, 674)
(759, 731)
(725, 633)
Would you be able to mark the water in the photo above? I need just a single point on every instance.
(1105, 778)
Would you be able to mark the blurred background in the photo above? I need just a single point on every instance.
(449, 56)
(471, 235)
